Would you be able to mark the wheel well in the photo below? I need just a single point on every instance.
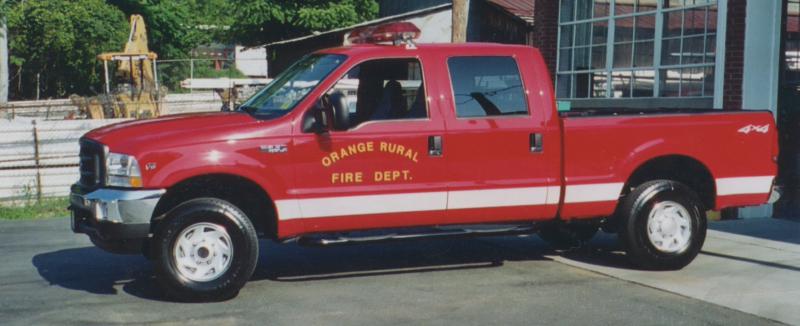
(241, 192)
(678, 168)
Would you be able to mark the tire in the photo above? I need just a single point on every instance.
(205, 249)
(663, 225)
(562, 236)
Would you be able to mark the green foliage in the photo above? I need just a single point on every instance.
(206, 69)
(48, 207)
(59, 41)
(5, 6)
(172, 73)
(171, 25)
(262, 21)
(175, 28)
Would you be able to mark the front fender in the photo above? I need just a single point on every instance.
(172, 167)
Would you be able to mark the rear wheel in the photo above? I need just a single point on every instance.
(206, 249)
(663, 225)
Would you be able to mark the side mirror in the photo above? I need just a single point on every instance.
(316, 119)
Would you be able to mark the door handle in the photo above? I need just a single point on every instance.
(536, 143)
(435, 146)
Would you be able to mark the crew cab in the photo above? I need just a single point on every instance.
(378, 142)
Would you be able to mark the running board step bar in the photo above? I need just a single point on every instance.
(439, 232)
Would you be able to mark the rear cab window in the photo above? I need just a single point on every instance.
(487, 86)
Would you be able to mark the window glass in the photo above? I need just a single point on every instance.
(599, 84)
(583, 9)
(486, 86)
(387, 89)
(643, 83)
(292, 85)
(621, 84)
(617, 57)
(646, 5)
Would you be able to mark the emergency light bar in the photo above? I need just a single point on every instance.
(396, 33)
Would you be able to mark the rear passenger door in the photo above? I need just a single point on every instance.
(498, 160)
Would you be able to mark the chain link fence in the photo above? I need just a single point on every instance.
(173, 97)
(39, 148)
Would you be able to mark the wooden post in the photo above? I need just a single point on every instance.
(36, 160)
(460, 17)
(3, 60)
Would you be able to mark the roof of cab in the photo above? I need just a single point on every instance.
(472, 47)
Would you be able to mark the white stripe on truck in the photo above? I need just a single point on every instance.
(289, 209)
(744, 185)
(593, 192)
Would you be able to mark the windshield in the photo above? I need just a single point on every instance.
(292, 85)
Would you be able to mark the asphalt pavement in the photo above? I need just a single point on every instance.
(50, 276)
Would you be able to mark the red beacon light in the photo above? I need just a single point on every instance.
(395, 33)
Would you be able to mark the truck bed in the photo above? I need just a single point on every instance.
(603, 148)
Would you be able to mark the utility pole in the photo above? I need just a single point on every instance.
(3, 60)
(460, 17)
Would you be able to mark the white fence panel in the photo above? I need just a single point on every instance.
(58, 148)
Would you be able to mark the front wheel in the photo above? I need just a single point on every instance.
(206, 249)
(663, 225)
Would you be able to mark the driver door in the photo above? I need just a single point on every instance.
(376, 171)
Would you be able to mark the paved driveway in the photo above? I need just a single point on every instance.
(51, 276)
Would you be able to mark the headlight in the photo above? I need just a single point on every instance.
(123, 171)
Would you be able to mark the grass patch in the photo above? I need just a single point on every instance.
(48, 207)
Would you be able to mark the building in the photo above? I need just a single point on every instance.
(720, 54)
(681, 54)
(433, 21)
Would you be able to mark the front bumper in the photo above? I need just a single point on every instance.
(113, 214)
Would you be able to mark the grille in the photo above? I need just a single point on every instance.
(91, 163)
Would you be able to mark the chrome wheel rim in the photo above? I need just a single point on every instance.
(669, 227)
(203, 252)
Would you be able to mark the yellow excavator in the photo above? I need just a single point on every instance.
(137, 93)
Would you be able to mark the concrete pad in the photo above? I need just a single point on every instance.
(748, 265)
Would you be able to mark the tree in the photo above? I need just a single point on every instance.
(175, 28)
(171, 25)
(5, 5)
(54, 45)
(262, 21)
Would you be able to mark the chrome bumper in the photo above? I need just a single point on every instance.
(113, 213)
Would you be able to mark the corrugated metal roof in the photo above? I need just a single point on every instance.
(520, 8)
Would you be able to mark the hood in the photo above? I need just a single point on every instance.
(131, 136)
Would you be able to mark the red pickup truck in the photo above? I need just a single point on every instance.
(377, 142)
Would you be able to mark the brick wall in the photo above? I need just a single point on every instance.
(545, 31)
(734, 55)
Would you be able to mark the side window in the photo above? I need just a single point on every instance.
(487, 86)
(386, 89)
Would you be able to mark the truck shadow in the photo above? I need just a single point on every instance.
(296, 264)
(603, 250)
(92, 270)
